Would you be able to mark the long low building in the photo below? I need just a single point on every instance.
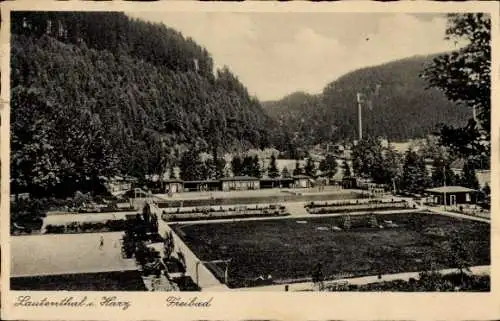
(237, 183)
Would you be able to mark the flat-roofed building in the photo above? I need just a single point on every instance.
(237, 183)
(302, 181)
(206, 185)
(174, 186)
(285, 182)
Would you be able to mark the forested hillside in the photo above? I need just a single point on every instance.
(404, 108)
(98, 94)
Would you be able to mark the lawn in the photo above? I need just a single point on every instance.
(108, 281)
(288, 249)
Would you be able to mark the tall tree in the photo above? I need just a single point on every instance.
(192, 167)
(220, 165)
(469, 178)
(442, 173)
(236, 165)
(247, 166)
(459, 253)
(209, 169)
(414, 177)
(371, 160)
(392, 166)
(310, 167)
(272, 170)
(298, 170)
(328, 165)
(285, 173)
(255, 169)
(346, 169)
(464, 76)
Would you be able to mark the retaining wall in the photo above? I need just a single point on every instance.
(205, 277)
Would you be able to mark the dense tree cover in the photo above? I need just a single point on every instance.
(372, 160)
(298, 170)
(120, 35)
(192, 167)
(404, 108)
(300, 115)
(310, 168)
(430, 147)
(464, 77)
(237, 165)
(328, 166)
(469, 178)
(442, 173)
(98, 94)
(346, 169)
(414, 177)
(249, 166)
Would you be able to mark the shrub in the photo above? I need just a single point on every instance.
(86, 226)
(72, 227)
(116, 225)
(54, 229)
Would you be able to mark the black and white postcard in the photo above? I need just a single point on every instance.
(256, 160)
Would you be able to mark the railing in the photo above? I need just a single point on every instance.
(352, 207)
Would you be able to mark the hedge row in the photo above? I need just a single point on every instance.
(209, 210)
(88, 227)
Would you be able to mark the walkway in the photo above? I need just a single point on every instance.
(309, 286)
(296, 214)
(457, 215)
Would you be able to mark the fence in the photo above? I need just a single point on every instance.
(355, 207)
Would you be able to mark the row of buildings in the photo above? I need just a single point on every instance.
(236, 183)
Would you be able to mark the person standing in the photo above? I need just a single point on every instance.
(101, 242)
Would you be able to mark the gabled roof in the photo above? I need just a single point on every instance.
(450, 189)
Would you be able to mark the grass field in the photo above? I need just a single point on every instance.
(288, 249)
(108, 281)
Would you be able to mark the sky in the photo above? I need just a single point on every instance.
(275, 54)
